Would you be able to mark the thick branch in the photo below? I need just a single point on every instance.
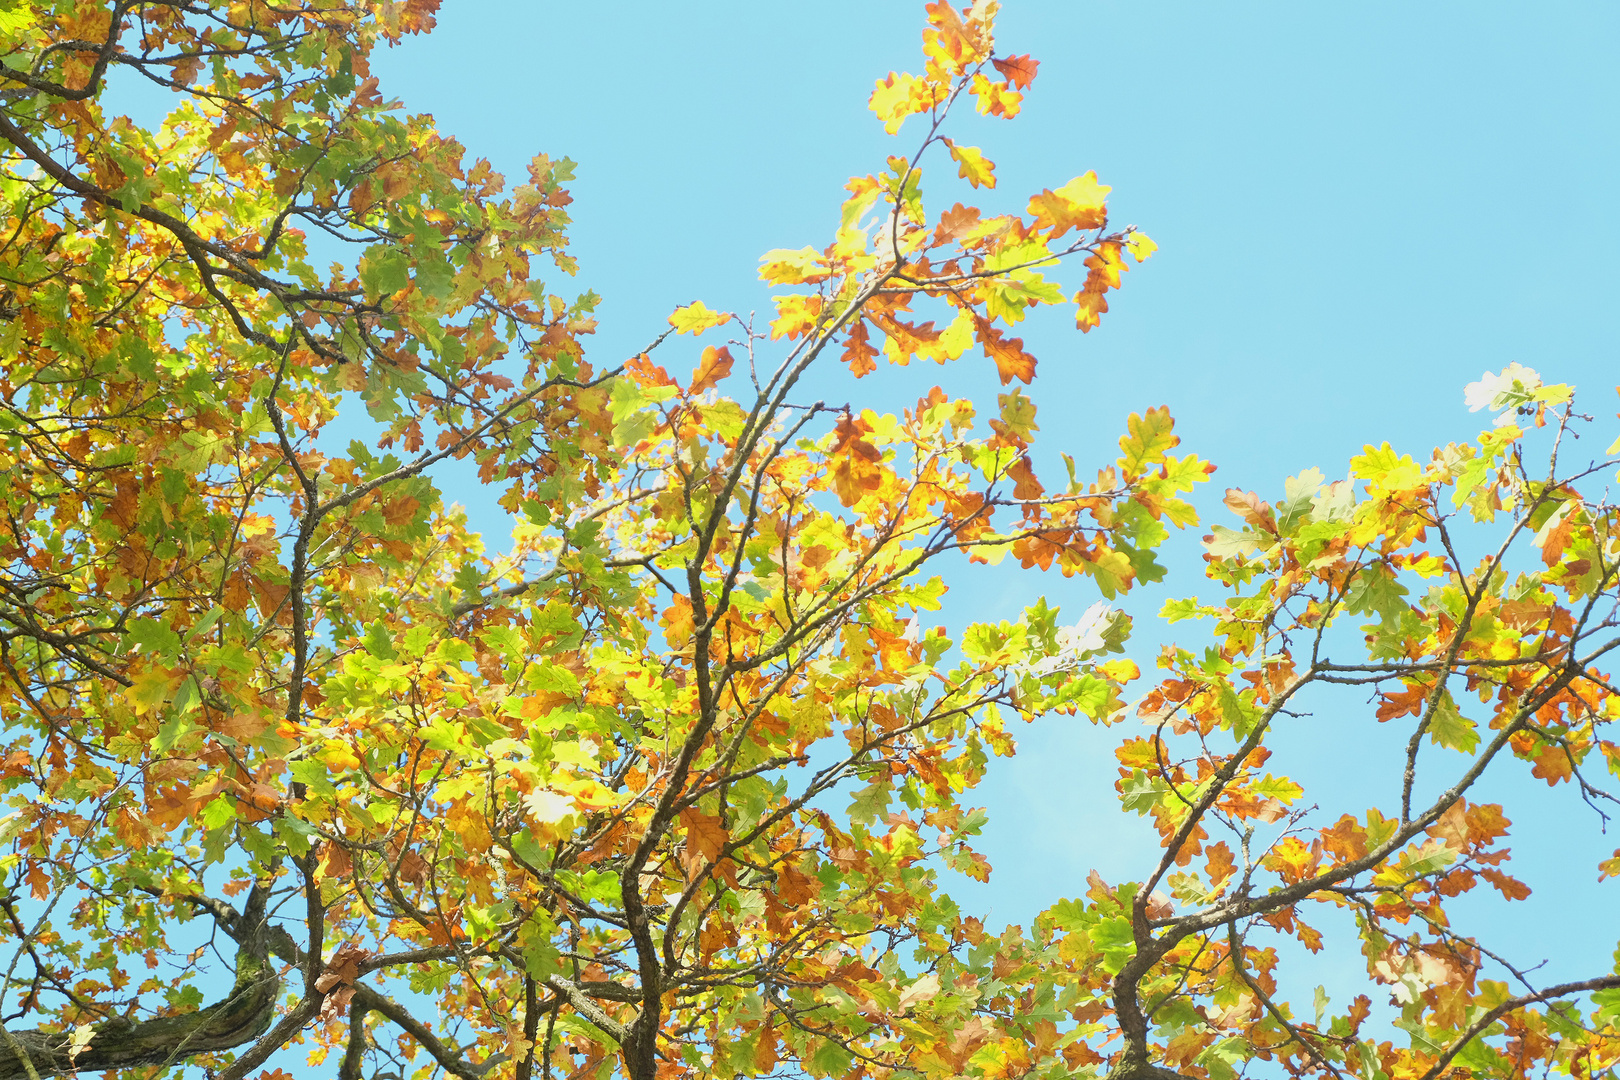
(119, 1044)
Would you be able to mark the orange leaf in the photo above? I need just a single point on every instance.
(1025, 486)
(715, 365)
(646, 372)
(957, 223)
(1018, 70)
(1012, 362)
(1510, 887)
(1553, 765)
(765, 1050)
(1221, 865)
(39, 882)
(849, 432)
(947, 38)
(859, 354)
(1407, 702)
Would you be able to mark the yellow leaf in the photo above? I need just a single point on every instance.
(1140, 245)
(339, 757)
(897, 97)
(1079, 204)
(696, 317)
(151, 689)
(795, 315)
(972, 165)
(1121, 671)
(783, 266)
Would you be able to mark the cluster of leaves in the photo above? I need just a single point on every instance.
(1468, 577)
(576, 802)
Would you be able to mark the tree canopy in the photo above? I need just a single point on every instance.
(672, 784)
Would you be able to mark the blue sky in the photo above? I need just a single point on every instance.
(1360, 209)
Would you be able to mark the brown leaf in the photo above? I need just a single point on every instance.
(706, 834)
(1247, 505)
(413, 869)
(957, 222)
(1221, 864)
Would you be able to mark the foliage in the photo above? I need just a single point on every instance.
(1473, 576)
(575, 802)
(666, 788)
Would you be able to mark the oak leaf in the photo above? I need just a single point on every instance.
(1079, 204)
(696, 317)
(714, 366)
(972, 165)
(1018, 70)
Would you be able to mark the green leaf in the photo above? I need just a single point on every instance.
(218, 813)
(1140, 792)
(1175, 611)
(1150, 438)
(384, 271)
(155, 638)
(1224, 542)
(298, 834)
(633, 408)
(379, 642)
(1070, 915)
(1449, 728)
(1299, 499)
(313, 774)
(1278, 787)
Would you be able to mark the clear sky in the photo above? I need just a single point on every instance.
(1360, 209)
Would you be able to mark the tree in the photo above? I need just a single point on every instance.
(561, 811)
(277, 726)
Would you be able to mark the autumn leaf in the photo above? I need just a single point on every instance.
(1018, 70)
(1012, 362)
(957, 223)
(706, 835)
(784, 267)
(1150, 436)
(859, 353)
(1079, 204)
(549, 807)
(972, 165)
(947, 39)
(897, 97)
(696, 317)
(715, 365)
